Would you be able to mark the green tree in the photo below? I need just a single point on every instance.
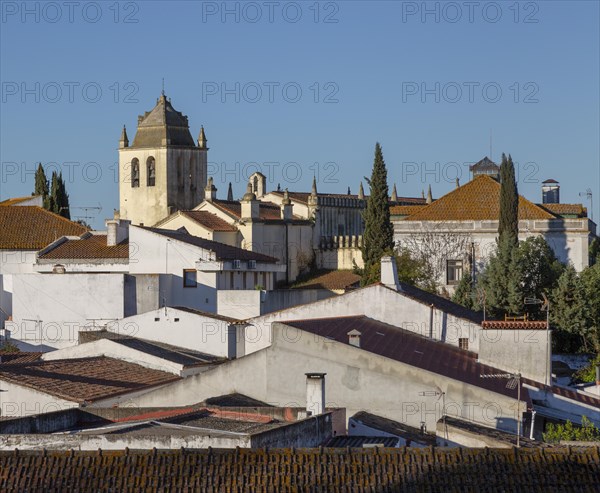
(568, 312)
(499, 278)
(378, 237)
(509, 202)
(414, 270)
(587, 432)
(464, 294)
(590, 278)
(59, 199)
(41, 185)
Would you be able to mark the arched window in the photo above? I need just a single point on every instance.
(135, 172)
(151, 171)
(255, 185)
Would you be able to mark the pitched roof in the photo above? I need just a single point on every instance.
(179, 355)
(405, 210)
(8, 358)
(209, 221)
(392, 427)
(485, 164)
(409, 348)
(88, 246)
(33, 228)
(566, 469)
(577, 210)
(476, 200)
(206, 314)
(221, 250)
(332, 280)
(85, 379)
(18, 200)
(355, 441)
(268, 211)
(163, 126)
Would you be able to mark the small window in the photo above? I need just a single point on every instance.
(189, 278)
(454, 271)
(251, 264)
(151, 171)
(463, 343)
(135, 173)
(237, 264)
(156, 319)
(176, 319)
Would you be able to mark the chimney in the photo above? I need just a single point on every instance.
(250, 206)
(210, 191)
(315, 393)
(286, 207)
(550, 192)
(389, 273)
(354, 338)
(116, 230)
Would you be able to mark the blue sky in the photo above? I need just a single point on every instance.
(306, 87)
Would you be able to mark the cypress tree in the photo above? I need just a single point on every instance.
(53, 197)
(378, 239)
(41, 185)
(509, 202)
(64, 209)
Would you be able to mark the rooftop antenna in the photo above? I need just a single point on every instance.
(491, 145)
(163, 86)
(588, 195)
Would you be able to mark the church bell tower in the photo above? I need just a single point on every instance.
(163, 170)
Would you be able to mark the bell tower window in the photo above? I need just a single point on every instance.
(151, 171)
(135, 173)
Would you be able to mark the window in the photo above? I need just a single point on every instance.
(237, 264)
(463, 343)
(189, 278)
(251, 264)
(135, 173)
(151, 171)
(454, 270)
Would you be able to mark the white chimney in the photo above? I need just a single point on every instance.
(111, 232)
(250, 207)
(389, 273)
(315, 393)
(354, 338)
(286, 207)
(117, 230)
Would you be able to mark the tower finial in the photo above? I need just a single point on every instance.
(429, 196)
(124, 140)
(314, 186)
(394, 194)
(163, 86)
(230, 193)
(361, 192)
(202, 140)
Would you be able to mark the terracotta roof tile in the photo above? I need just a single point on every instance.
(89, 246)
(33, 228)
(8, 358)
(405, 210)
(333, 280)
(17, 200)
(477, 200)
(514, 325)
(565, 469)
(565, 209)
(209, 221)
(85, 379)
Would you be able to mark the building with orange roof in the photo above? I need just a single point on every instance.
(458, 231)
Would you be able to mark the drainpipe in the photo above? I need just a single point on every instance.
(431, 321)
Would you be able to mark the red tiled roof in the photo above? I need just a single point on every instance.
(333, 280)
(8, 358)
(16, 200)
(514, 325)
(89, 246)
(209, 221)
(86, 379)
(565, 469)
(477, 200)
(268, 211)
(405, 210)
(33, 228)
(565, 209)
